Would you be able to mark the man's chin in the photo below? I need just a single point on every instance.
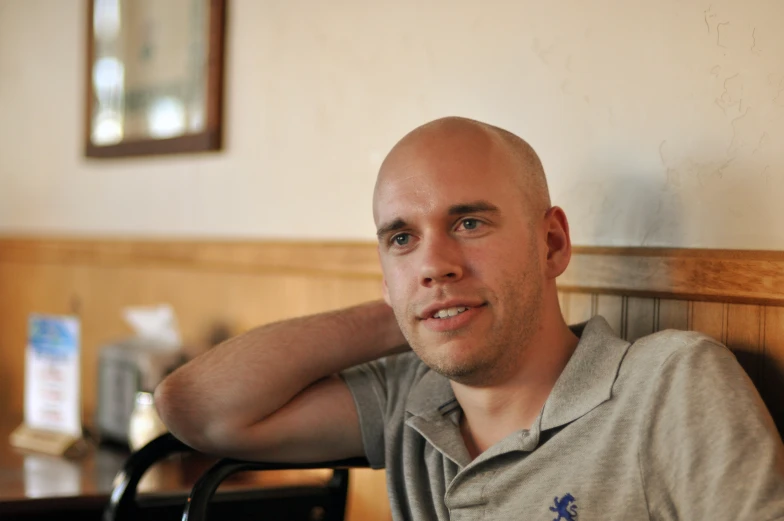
(457, 373)
(457, 366)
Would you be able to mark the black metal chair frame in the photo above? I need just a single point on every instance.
(123, 505)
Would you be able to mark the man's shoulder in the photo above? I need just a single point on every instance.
(658, 354)
(670, 374)
(671, 342)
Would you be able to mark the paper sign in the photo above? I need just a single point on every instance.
(52, 375)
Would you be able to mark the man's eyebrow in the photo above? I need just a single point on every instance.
(473, 207)
(455, 209)
(397, 224)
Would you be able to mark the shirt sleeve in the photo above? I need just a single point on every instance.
(368, 385)
(710, 449)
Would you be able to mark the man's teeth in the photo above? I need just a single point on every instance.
(449, 312)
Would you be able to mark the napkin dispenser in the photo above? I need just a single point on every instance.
(135, 364)
(124, 369)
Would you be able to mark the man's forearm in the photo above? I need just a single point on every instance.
(249, 377)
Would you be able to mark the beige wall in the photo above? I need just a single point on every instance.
(659, 122)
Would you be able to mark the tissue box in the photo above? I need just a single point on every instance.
(125, 368)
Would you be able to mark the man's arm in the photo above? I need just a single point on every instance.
(273, 394)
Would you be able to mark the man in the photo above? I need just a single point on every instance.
(501, 411)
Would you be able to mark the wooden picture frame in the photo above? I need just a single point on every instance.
(154, 82)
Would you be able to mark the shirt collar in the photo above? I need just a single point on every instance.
(585, 383)
(431, 395)
(587, 380)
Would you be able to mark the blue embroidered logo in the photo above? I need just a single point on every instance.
(565, 508)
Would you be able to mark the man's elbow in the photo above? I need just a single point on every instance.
(180, 412)
(163, 400)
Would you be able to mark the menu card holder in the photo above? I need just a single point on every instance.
(52, 418)
(47, 442)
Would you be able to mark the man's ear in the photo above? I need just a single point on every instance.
(385, 290)
(559, 244)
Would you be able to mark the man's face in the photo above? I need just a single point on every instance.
(461, 255)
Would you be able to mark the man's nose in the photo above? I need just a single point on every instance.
(442, 261)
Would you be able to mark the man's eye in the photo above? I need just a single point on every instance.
(401, 239)
(470, 224)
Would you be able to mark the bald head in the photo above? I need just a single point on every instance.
(455, 135)
(463, 219)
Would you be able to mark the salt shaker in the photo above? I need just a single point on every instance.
(145, 424)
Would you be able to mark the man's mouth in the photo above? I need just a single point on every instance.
(449, 312)
(454, 316)
(449, 308)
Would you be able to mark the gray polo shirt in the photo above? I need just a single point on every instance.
(667, 428)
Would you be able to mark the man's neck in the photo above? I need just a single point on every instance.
(491, 413)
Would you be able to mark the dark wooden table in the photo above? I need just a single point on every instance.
(36, 486)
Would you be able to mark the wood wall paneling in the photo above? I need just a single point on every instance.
(673, 314)
(612, 308)
(689, 274)
(579, 307)
(640, 317)
(710, 318)
(745, 336)
(772, 378)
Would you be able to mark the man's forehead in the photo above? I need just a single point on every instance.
(417, 194)
(435, 182)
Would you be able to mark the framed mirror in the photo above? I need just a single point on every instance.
(154, 77)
